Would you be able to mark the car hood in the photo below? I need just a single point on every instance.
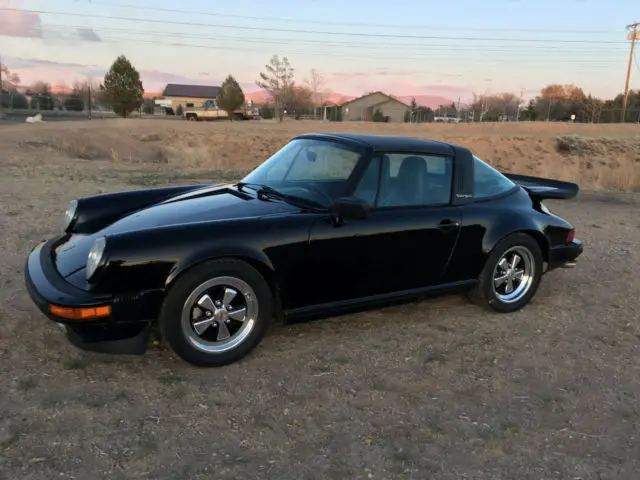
(211, 203)
(214, 203)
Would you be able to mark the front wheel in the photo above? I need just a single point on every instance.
(216, 313)
(511, 275)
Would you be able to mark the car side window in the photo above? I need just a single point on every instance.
(415, 180)
(368, 185)
(487, 181)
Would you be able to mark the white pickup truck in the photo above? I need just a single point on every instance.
(210, 111)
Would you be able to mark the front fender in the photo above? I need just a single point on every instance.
(156, 257)
(219, 251)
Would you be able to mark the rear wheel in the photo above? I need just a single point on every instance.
(216, 313)
(511, 275)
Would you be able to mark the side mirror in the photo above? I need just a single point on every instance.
(350, 207)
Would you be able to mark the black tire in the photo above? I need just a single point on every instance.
(484, 294)
(173, 327)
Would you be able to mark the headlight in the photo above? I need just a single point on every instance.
(70, 214)
(96, 255)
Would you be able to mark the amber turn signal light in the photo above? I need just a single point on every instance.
(80, 313)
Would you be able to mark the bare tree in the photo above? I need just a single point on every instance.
(493, 107)
(278, 82)
(299, 99)
(40, 87)
(316, 81)
(89, 91)
(9, 81)
(592, 108)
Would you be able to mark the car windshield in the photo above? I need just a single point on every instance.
(315, 171)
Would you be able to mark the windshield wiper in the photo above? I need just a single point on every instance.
(261, 189)
(266, 191)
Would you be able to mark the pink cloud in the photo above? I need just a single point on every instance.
(17, 23)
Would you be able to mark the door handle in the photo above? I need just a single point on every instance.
(448, 224)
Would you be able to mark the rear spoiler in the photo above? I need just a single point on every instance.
(545, 188)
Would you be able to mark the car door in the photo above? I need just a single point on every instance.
(405, 242)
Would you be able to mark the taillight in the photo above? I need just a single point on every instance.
(571, 235)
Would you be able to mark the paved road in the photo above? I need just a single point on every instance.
(17, 119)
(14, 118)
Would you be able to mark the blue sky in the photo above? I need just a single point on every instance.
(458, 47)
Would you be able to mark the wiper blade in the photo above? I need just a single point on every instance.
(267, 191)
(261, 189)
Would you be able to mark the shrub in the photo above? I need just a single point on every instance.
(74, 103)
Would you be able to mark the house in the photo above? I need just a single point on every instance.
(363, 108)
(187, 95)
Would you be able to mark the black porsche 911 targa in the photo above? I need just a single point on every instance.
(329, 223)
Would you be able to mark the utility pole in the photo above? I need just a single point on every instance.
(633, 35)
(1, 90)
(89, 95)
(518, 104)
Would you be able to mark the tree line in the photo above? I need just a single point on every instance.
(555, 102)
(122, 90)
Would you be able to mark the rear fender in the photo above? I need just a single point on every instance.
(495, 236)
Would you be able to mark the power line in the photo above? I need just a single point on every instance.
(445, 55)
(353, 34)
(589, 50)
(349, 24)
(442, 56)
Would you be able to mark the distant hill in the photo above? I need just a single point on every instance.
(432, 101)
(261, 97)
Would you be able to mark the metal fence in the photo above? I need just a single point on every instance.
(22, 103)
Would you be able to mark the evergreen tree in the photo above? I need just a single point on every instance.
(414, 110)
(123, 87)
(531, 112)
(230, 97)
(378, 116)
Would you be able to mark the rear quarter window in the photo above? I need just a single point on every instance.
(487, 181)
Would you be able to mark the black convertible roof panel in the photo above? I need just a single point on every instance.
(388, 142)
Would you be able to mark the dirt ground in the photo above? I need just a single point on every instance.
(596, 156)
(432, 390)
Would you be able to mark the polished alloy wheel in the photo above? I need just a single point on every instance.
(513, 275)
(219, 314)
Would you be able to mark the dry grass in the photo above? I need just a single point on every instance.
(596, 156)
(431, 390)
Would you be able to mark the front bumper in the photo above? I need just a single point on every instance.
(124, 330)
(565, 256)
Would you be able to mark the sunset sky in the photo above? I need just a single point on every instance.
(402, 47)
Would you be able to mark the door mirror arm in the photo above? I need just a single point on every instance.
(349, 207)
